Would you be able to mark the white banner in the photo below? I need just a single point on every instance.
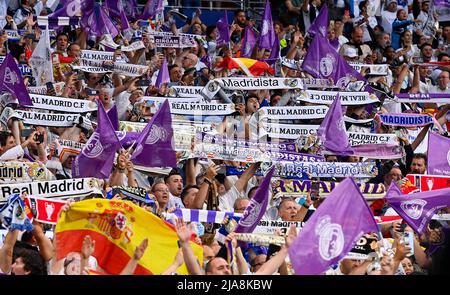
(287, 131)
(59, 189)
(13, 172)
(293, 112)
(62, 104)
(164, 39)
(46, 119)
(189, 108)
(187, 91)
(228, 153)
(254, 83)
(375, 70)
(93, 66)
(133, 46)
(97, 55)
(356, 138)
(347, 98)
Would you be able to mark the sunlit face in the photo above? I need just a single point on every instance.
(288, 210)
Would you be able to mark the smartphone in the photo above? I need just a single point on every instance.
(26, 132)
(55, 59)
(314, 190)
(50, 86)
(408, 238)
(143, 82)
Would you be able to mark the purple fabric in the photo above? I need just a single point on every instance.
(332, 130)
(163, 75)
(99, 22)
(152, 8)
(332, 230)
(154, 146)
(127, 138)
(224, 30)
(11, 80)
(113, 7)
(114, 117)
(249, 42)
(71, 7)
(335, 43)
(438, 154)
(267, 36)
(97, 156)
(275, 52)
(322, 61)
(320, 24)
(417, 209)
(379, 151)
(194, 214)
(257, 206)
(211, 216)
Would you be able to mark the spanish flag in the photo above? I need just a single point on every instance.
(118, 227)
(251, 67)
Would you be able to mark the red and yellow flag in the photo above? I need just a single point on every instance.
(251, 67)
(118, 227)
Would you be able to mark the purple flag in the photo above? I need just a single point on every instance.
(224, 30)
(417, 209)
(72, 8)
(438, 154)
(152, 8)
(154, 146)
(249, 42)
(127, 139)
(11, 80)
(97, 156)
(267, 36)
(332, 230)
(114, 117)
(257, 206)
(320, 24)
(322, 61)
(332, 130)
(115, 10)
(275, 52)
(163, 75)
(99, 22)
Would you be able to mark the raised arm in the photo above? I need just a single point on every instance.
(6, 252)
(138, 253)
(190, 259)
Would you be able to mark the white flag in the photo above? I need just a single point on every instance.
(41, 62)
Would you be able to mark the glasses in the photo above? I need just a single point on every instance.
(162, 190)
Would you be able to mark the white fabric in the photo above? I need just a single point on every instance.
(13, 153)
(226, 201)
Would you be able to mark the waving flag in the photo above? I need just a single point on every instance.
(275, 52)
(118, 227)
(251, 67)
(438, 154)
(114, 117)
(154, 147)
(152, 8)
(163, 75)
(97, 156)
(417, 209)
(248, 43)
(41, 62)
(99, 22)
(72, 8)
(11, 81)
(224, 30)
(267, 37)
(257, 206)
(320, 24)
(322, 61)
(332, 130)
(332, 230)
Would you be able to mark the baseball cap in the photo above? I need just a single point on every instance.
(350, 52)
